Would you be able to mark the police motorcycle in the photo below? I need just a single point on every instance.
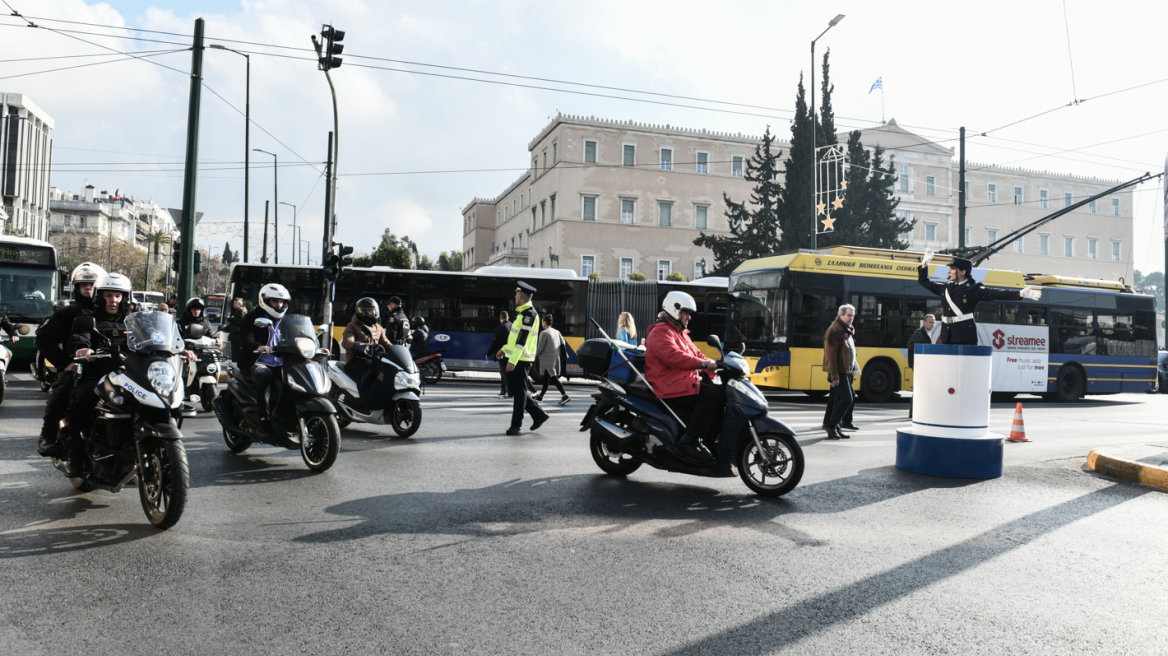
(202, 375)
(134, 434)
(6, 356)
(302, 416)
(630, 426)
(402, 410)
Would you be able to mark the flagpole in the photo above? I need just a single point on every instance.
(882, 99)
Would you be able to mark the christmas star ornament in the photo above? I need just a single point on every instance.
(828, 224)
(821, 207)
(837, 203)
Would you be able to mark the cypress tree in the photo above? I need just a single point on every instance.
(798, 186)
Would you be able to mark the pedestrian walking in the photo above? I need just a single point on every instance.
(921, 336)
(497, 344)
(548, 354)
(235, 327)
(520, 352)
(626, 329)
(839, 361)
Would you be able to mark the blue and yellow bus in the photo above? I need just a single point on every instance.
(1095, 337)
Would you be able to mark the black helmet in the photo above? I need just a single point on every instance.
(367, 312)
(417, 322)
(395, 300)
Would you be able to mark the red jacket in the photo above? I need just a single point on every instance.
(671, 360)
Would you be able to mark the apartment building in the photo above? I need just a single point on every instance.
(26, 156)
(82, 218)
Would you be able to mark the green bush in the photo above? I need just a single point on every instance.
(637, 276)
(594, 276)
(675, 277)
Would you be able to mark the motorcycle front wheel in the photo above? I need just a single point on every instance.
(774, 473)
(321, 442)
(163, 482)
(431, 373)
(407, 417)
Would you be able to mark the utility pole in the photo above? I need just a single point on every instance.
(961, 195)
(264, 258)
(186, 278)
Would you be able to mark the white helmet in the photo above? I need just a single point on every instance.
(675, 302)
(85, 272)
(113, 282)
(274, 291)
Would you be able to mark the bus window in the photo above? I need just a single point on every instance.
(816, 313)
(1022, 315)
(879, 321)
(759, 318)
(480, 302)
(988, 313)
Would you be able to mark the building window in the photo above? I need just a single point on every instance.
(1091, 207)
(498, 218)
(930, 185)
(702, 217)
(1067, 199)
(1019, 246)
(991, 236)
(967, 188)
(665, 214)
(664, 268)
(587, 265)
(1114, 207)
(589, 152)
(736, 166)
(628, 211)
(907, 235)
(1017, 195)
(589, 211)
(904, 178)
(514, 207)
(630, 158)
(553, 216)
(703, 163)
(666, 159)
(1068, 246)
(626, 267)
(930, 232)
(542, 214)
(555, 156)
(1115, 251)
(1044, 244)
(535, 165)
(991, 193)
(545, 160)
(699, 270)
(967, 236)
(1093, 249)
(1042, 199)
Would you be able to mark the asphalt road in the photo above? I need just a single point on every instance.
(465, 541)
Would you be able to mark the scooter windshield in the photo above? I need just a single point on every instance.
(296, 325)
(153, 331)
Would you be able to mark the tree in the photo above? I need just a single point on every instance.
(1151, 284)
(229, 257)
(797, 192)
(594, 277)
(154, 241)
(451, 261)
(425, 264)
(392, 252)
(754, 229)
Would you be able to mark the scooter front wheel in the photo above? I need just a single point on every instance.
(321, 442)
(774, 471)
(407, 417)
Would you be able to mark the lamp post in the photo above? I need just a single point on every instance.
(246, 142)
(296, 241)
(703, 265)
(276, 191)
(814, 149)
(293, 229)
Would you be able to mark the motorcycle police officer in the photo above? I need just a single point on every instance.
(397, 324)
(520, 353)
(50, 343)
(962, 295)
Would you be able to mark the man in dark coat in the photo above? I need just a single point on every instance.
(235, 328)
(961, 296)
(397, 324)
(497, 344)
(921, 336)
(839, 363)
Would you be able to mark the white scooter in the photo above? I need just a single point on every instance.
(402, 410)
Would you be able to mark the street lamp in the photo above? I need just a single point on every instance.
(703, 265)
(293, 229)
(276, 191)
(553, 259)
(814, 150)
(246, 142)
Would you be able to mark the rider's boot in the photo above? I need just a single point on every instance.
(691, 450)
(48, 446)
(75, 451)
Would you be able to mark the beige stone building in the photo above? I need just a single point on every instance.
(616, 197)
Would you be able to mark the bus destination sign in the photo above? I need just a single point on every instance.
(26, 255)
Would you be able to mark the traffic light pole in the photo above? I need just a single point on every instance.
(328, 237)
(186, 276)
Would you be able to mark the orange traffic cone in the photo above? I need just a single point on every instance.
(1018, 431)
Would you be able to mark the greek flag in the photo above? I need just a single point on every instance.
(878, 84)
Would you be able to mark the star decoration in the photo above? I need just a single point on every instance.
(844, 184)
(837, 203)
(821, 207)
(827, 224)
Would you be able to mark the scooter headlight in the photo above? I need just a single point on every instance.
(405, 380)
(162, 377)
(212, 368)
(307, 347)
(748, 390)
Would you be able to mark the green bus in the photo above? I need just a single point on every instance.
(29, 285)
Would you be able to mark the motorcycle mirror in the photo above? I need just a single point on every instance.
(196, 331)
(715, 341)
(263, 322)
(23, 329)
(84, 325)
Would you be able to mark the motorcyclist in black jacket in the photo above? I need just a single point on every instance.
(50, 343)
(111, 299)
(195, 314)
(397, 325)
(419, 338)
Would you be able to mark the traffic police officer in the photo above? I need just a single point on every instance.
(962, 294)
(520, 353)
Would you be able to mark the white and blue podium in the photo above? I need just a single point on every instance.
(951, 415)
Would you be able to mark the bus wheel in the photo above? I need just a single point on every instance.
(1069, 385)
(877, 383)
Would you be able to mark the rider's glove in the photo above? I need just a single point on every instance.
(1032, 293)
(361, 350)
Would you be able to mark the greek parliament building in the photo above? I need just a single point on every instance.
(26, 155)
(616, 197)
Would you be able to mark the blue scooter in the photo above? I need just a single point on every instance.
(630, 426)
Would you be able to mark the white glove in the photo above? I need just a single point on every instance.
(1032, 293)
(926, 257)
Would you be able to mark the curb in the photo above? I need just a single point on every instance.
(1147, 475)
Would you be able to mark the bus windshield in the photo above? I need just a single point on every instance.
(758, 314)
(27, 294)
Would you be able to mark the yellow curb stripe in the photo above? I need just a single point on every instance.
(1146, 475)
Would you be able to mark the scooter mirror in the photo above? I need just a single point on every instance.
(196, 331)
(263, 322)
(23, 329)
(715, 341)
(738, 348)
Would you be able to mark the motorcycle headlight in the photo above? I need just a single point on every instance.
(405, 380)
(162, 377)
(748, 390)
(307, 347)
(212, 368)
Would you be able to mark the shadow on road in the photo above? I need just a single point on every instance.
(49, 541)
(241, 469)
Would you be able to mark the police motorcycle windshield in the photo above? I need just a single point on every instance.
(153, 331)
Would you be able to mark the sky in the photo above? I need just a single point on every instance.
(415, 148)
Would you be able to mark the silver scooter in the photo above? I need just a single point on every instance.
(402, 411)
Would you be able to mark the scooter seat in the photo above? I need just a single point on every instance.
(642, 392)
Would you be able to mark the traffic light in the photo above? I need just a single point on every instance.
(198, 262)
(346, 260)
(331, 38)
(332, 267)
(175, 257)
(339, 263)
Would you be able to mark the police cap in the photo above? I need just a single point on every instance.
(962, 264)
(525, 288)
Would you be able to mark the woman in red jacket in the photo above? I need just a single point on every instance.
(672, 363)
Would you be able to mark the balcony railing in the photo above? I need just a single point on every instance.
(508, 256)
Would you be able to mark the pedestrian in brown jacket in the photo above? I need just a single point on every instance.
(839, 363)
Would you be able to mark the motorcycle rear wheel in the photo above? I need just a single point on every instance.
(406, 418)
(322, 443)
(164, 481)
(766, 479)
(431, 373)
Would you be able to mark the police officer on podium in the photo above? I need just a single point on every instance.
(520, 353)
(961, 295)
